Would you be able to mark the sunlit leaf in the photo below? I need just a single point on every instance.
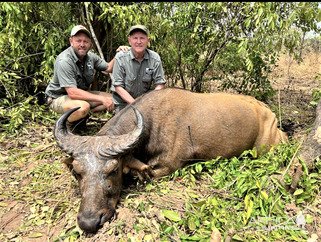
(298, 192)
(264, 195)
(171, 215)
(35, 235)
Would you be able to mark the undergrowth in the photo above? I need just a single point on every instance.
(243, 198)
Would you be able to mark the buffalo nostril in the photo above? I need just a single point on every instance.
(89, 224)
(109, 215)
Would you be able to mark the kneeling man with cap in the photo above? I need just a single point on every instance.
(137, 71)
(74, 71)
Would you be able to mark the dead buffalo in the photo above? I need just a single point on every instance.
(158, 134)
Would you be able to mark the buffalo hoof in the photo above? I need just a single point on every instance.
(144, 175)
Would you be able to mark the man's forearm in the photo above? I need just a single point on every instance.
(124, 94)
(110, 66)
(79, 94)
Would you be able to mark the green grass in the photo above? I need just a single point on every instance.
(241, 197)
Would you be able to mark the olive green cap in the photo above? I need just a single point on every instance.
(138, 27)
(79, 28)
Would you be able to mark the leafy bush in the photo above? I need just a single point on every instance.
(199, 42)
(246, 200)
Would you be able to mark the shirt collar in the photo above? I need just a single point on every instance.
(146, 54)
(74, 56)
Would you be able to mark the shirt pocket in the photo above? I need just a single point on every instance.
(129, 81)
(147, 78)
(89, 76)
(147, 82)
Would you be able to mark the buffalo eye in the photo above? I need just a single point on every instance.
(110, 174)
(109, 184)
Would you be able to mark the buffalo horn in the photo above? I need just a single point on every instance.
(121, 144)
(65, 139)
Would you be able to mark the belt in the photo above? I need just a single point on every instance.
(49, 100)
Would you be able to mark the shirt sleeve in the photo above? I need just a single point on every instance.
(158, 74)
(118, 75)
(99, 63)
(65, 74)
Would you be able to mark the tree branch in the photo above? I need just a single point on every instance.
(93, 33)
(95, 40)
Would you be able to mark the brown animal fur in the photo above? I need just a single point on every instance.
(159, 133)
(182, 126)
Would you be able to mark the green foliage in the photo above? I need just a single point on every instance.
(316, 93)
(236, 76)
(16, 117)
(243, 197)
(251, 34)
(32, 39)
(31, 36)
(246, 198)
(316, 96)
(234, 44)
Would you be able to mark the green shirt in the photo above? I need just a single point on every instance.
(70, 72)
(135, 77)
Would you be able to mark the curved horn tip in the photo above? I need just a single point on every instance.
(65, 139)
(60, 124)
(139, 116)
(70, 111)
(130, 139)
(66, 115)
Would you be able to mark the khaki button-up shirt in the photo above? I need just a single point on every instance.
(70, 72)
(136, 77)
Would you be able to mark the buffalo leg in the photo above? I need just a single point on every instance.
(162, 171)
(142, 170)
(163, 166)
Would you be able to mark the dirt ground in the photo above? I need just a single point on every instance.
(294, 83)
